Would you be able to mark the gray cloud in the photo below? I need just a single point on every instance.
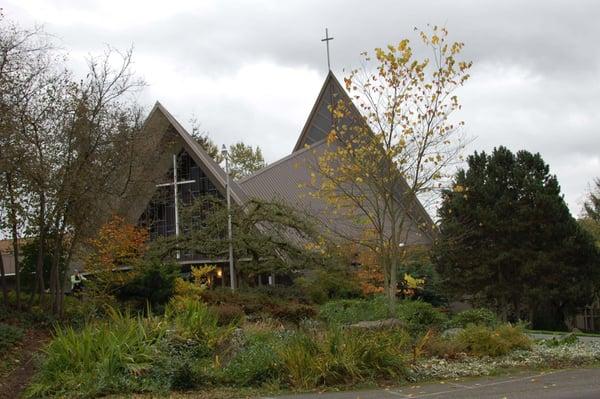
(535, 84)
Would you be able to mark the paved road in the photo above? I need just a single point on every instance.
(562, 384)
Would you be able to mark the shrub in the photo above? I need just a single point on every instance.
(439, 346)
(9, 335)
(228, 313)
(79, 311)
(420, 316)
(181, 362)
(154, 285)
(480, 316)
(99, 359)
(279, 292)
(260, 304)
(256, 364)
(334, 283)
(299, 357)
(342, 357)
(347, 311)
(564, 340)
(293, 312)
(484, 341)
(194, 320)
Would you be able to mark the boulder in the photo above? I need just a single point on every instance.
(451, 332)
(377, 324)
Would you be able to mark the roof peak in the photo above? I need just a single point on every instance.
(319, 121)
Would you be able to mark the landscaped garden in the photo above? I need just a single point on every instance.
(221, 343)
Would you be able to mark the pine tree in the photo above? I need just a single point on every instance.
(592, 205)
(508, 240)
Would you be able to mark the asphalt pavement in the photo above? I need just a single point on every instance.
(559, 384)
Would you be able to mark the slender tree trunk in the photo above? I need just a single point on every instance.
(14, 223)
(41, 248)
(55, 284)
(15, 244)
(393, 280)
(3, 278)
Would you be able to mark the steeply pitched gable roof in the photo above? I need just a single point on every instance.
(289, 181)
(319, 121)
(208, 165)
(159, 126)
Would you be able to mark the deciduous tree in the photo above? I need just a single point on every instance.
(244, 160)
(395, 147)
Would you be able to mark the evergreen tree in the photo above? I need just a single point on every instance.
(592, 205)
(508, 240)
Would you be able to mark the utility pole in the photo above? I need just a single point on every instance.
(225, 154)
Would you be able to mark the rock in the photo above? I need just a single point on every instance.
(451, 332)
(377, 324)
(238, 340)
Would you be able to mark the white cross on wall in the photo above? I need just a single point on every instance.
(176, 184)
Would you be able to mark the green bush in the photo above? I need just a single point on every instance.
(256, 364)
(420, 316)
(417, 315)
(348, 311)
(563, 340)
(342, 357)
(194, 320)
(99, 359)
(131, 354)
(9, 335)
(484, 341)
(333, 283)
(292, 293)
(480, 316)
(154, 286)
(300, 359)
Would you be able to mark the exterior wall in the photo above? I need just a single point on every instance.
(9, 263)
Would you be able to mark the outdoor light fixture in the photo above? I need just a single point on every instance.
(219, 273)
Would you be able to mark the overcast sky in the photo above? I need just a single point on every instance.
(251, 70)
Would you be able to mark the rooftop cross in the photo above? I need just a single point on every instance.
(326, 40)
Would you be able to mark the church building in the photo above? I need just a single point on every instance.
(182, 169)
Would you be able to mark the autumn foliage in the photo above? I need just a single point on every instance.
(118, 244)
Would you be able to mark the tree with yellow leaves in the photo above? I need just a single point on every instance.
(393, 144)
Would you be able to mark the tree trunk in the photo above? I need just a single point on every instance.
(55, 283)
(15, 243)
(3, 278)
(39, 271)
(503, 310)
(15, 238)
(393, 290)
